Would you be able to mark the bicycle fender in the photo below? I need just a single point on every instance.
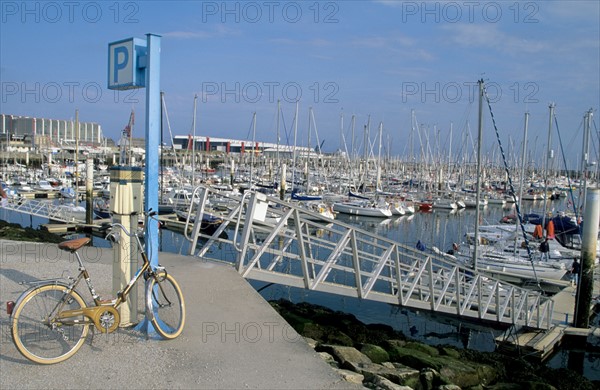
(37, 286)
(148, 297)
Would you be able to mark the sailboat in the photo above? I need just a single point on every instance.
(487, 257)
(514, 266)
(361, 204)
(366, 208)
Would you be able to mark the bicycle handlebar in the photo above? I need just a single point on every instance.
(150, 215)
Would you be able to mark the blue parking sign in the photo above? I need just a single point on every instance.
(126, 64)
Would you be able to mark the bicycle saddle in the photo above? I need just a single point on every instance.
(73, 245)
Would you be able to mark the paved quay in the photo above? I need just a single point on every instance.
(232, 339)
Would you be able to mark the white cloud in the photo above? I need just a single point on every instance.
(187, 34)
(319, 42)
(219, 31)
(489, 36)
(392, 40)
(394, 43)
(316, 42)
(284, 41)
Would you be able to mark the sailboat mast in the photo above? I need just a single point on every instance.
(76, 154)
(342, 130)
(253, 147)
(194, 143)
(278, 112)
(343, 146)
(294, 150)
(450, 150)
(130, 138)
(366, 146)
(587, 121)
(378, 180)
(353, 123)
(478, 189)
(522, 175)
(307, 164)
(547, 165)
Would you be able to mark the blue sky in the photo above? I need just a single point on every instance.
(377, 58)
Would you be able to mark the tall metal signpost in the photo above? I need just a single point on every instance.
(135, 63)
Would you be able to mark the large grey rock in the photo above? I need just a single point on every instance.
(327, 358)
(350, 376)
(381, 383)
(468, 374)
(403, 376)
(424, 348)
(375, 353)
(311, 342)
(345, 355)
(427, 377)
(457, 371)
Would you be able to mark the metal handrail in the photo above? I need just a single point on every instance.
(189, 214)
(302, 250)
(38, 208)
(239, 218)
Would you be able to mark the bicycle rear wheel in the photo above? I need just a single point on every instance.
(165, 305)
(35, 332)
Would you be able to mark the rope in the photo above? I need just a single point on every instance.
(562, 151)
(512, 188)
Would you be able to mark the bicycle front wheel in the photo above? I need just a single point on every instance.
(36, 333)
(164, 305)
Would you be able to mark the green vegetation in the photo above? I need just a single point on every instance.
(13, 231)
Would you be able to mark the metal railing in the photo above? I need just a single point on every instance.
(44, 209)
(280, 242)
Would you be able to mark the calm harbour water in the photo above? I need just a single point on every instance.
(437, 228)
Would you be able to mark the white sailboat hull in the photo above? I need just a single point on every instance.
(362, 210)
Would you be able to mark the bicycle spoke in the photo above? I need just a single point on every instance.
(35, 333)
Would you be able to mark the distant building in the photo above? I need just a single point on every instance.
(138, 143)
(233, 146)
(43, 132)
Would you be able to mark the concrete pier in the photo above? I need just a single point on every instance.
(232, 337)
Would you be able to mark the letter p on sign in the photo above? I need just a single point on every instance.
(124, 59)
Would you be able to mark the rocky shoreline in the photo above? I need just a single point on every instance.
(379, 357)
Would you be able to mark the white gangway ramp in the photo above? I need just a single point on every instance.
(46, 209)
(279, 242)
